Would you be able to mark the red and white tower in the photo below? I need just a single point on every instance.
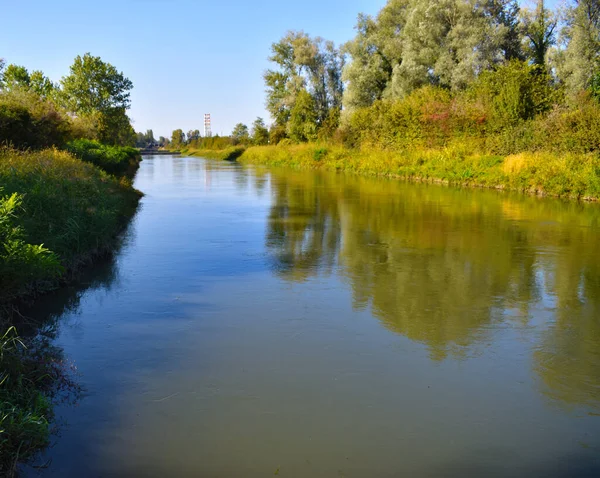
(207, 130)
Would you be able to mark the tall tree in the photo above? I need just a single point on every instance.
(304, 64)
(374, 52)
(240, 134)
(97, 89)
(177, 138)
(259, 133)
(540, 32)
(94, 85)
(446, 43)
(15, 76)
(580, 63)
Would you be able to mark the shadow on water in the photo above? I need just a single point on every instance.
(448, 268)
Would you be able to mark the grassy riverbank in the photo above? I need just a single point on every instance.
(57, 213)
(575, 176)
(228, 154)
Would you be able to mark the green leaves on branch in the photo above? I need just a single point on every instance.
(95, 86)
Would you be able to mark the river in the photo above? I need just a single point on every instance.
(260, 322)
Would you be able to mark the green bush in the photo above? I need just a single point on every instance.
(117, 160)
(28, 121)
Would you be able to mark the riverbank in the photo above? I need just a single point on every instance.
(57, 215)
(574, 176)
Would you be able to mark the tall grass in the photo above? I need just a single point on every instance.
(546, 173)
(71, 207)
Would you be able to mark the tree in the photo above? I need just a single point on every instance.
(446, 43)
(303, 119)
(375, 52)
(505, 14)
(540, 26)
(240, 134)
(97, 89)
(94, 85)
(304, 64)
(260, 133)
(177, 138)
(16, 76)
(579, 66)
(41, 84)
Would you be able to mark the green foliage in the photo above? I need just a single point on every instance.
(29, 121)
(540, 31)
(98, 90)
(70, 206)
(579, 64)
(302, 126)
(177, 139)
(117, 160)
(15, 76)
(95, 86)
(514, 93)
(303, 66)
(240, 134)
(21, 264)
(259, 133)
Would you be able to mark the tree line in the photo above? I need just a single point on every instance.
(91, 102)
(531, 60)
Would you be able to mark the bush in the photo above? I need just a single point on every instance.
(116, 160)
(28, 121)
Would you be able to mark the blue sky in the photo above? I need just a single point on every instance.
(185, 57)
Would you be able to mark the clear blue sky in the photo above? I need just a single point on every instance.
(185, 57)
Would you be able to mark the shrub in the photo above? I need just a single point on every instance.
(28, 121)
(117, 160)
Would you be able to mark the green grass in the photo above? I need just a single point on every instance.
(71, 207)
(572, 175)
(229, 154)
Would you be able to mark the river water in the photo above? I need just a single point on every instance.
(260, 323)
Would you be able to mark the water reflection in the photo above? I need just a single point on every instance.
(448, 268)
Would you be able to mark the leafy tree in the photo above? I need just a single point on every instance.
(178, 138)
(540, 26)
(97, 89)
(16, 76)
(375, 52)
(41, 84)
(304, 64)
(193, 135)
(446, 43)
(260, 133)
(303, 119)
(580, 64)
(94, 85)
(505, 14)
(240, 134)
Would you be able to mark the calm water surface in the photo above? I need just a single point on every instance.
(269, 322)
